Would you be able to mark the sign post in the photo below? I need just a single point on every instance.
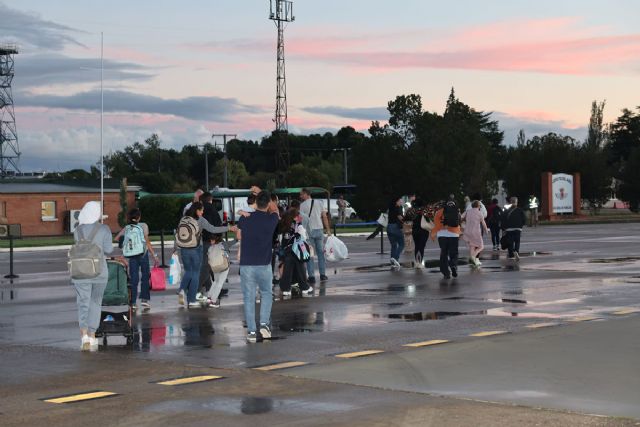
(11, 231)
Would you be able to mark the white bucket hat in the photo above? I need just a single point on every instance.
(90, 213)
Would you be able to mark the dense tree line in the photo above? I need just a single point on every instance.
(461, 151)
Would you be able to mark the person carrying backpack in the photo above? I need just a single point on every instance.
(447, 230)
(136, 247)
(494, 212)
(88, 269)
(189, 242)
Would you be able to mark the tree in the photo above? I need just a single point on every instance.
(236, 173)
(596, 177)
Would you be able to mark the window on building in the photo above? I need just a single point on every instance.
(48, 211)
(3, 209)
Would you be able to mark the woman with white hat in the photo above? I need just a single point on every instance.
(89, 291)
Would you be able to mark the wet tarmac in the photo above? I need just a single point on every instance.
(566, 273)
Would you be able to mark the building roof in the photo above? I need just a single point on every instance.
(43, 187)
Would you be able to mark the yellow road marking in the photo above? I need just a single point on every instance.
(425, 343)
(583, 319)
(542, 325)
(627, 311)
(358, 354)
(81, 397)
(488, 333)
(190, 380)
(283, 365)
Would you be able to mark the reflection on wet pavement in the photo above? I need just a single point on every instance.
(250, 406)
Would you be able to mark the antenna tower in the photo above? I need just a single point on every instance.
(281, 12)
(9, 151)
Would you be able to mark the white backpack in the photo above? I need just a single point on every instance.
(218, 258)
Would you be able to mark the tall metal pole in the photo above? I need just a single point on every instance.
(206, 166)
(101, 126)
(226, 162)
(346, 178)
(226, 158)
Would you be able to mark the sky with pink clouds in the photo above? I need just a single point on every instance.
(185, 70)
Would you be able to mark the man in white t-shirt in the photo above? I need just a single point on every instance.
(318, 221)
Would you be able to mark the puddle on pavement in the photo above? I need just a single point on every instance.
(440, 315)
(614, 260)
(250, 406)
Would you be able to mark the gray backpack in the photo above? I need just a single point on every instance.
(85, 257)
(188, 233)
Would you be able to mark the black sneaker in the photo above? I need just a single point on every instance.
(454, 272)
(311, 280)
(323, 278)
(224, 292)
(265, 331)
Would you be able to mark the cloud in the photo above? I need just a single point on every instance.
(553, 45)
(367, 113)
(193, 108)
(30, 29)
(47, 70)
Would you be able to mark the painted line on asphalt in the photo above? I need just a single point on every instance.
(425, 343)
(488, 333)
(584, 319)
(358, 354)
(626, 311)
(277, 366)
(188, 380)
(81, 397)
(542, 325)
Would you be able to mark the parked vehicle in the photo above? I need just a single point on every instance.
(350, 212)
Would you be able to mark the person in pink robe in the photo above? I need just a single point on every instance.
(474, 229)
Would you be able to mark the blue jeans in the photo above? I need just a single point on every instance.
(316, 239)
(394, 232)
(139, 264)
(253, 277)
(191, 261)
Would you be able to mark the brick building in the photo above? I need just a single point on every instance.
(45, 209)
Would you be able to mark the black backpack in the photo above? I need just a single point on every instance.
(451, 216)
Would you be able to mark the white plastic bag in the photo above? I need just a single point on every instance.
(175, 270)
(335, 249)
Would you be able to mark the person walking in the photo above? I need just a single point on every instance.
(136, 247)
(494, 212)
(513, 220)
(189, 241)
(255, 265)
(89, 292)
(293, 250)
(414, 215)
(206, 275)
(473, 230)
(447, 231)
(394, 231)
(318, 221)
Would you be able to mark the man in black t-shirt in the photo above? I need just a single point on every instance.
(255, 265)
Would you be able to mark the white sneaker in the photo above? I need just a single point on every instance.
(477, 262)
(286, 294)
(516, 255)
(93, 344)
(86, 343)
(308, 291)
(195, 304)
(395, 263)
(201, 297)
(419, 265)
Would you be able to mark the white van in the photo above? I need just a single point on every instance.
(349, 211)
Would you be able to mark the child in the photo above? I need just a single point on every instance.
(213, 296)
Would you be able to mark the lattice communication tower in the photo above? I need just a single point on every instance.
(281, 12)
(9, 151)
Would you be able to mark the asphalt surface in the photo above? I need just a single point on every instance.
(580, 282)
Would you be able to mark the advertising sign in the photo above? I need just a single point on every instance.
(562, 193)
